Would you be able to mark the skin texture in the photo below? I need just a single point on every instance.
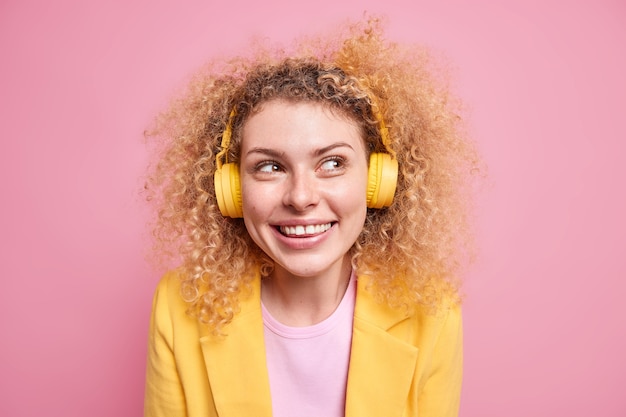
(303, 165)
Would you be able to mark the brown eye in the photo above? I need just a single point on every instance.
(268, 167)
(332, 164)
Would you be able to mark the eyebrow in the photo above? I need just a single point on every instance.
(329, 148)
(265, 151)
(318, 152)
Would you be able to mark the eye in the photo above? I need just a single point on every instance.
(267, 167)
(332, 164)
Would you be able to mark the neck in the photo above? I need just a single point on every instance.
(304, 301)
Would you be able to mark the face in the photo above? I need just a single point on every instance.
(303, 182)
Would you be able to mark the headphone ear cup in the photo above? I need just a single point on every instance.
(228, 190)
(382, 180)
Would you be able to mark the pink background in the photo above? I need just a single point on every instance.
(545, 315)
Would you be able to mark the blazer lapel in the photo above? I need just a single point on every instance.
(381, 365)
(236, 363)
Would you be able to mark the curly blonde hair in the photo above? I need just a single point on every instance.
(412, 249)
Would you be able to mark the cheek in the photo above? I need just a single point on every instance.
(350, 203)
(256, 206)
(253, 221)
(249, 199)
(352, 193)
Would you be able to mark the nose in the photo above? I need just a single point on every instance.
(302, 191)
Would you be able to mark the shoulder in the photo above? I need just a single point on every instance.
(372, 309)
(169, 309)
(418, 325)
(441, 326)
(167, 294)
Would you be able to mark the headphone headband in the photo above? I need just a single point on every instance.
(384, 132)
(226, 136)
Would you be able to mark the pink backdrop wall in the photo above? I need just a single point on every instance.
(545, 316)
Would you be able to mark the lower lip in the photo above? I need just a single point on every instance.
(305, 242)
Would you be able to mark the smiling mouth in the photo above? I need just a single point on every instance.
(304, 230)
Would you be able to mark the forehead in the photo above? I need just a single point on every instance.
(285, 124)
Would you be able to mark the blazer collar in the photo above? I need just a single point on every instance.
(236, 363)
(381, 365)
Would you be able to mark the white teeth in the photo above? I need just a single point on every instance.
(301, 230)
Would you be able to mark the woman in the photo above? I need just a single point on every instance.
(315, 201)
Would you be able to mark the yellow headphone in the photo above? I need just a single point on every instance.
(381, 182)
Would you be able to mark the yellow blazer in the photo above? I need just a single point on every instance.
(400, 364)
